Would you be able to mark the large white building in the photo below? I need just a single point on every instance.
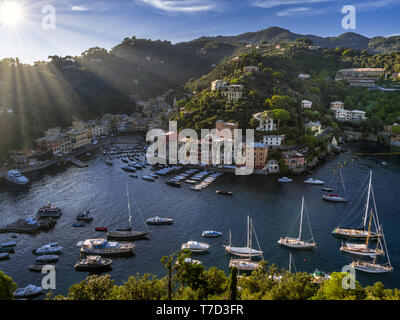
(266, 123)
(350, 115)
(233, 92)
(273, 141)
(306, 104)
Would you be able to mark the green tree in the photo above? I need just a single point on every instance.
(7, 287)
(233, 284)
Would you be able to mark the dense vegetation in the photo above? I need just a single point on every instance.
(276, 87)
(186, 281)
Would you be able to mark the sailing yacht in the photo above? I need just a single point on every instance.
(297, 243)
(362, 249)
(335, 197)
(247, 251)
(359, 233)
(128, 234)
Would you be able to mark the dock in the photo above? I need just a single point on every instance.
(77, 162)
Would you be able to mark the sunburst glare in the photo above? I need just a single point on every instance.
(11, 13)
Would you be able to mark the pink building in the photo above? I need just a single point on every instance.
(294, 160)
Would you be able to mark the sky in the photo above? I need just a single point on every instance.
(32, 32)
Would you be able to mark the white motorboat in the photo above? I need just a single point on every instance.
(48, 249)
(313, 181)
(28, 292)
(49, 211)
(246, 251)
(211, 233)
(93, 263)
(297, 243)
(195, 246)
(16, 177)
(243, 264)
(85, 216)
(103, 247)
(190, 261)
(158, 221)
(285, 179)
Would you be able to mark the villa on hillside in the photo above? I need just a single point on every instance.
(233, 92)
(220, 125)
(336, 105)
(306, 104)
(304, 76)
(217, 84)
(250, 69)
(273, 166)
(314, 127)
(350, 115)
(265, 123)
(273, 141)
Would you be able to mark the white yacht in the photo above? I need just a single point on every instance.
(285, 179)
(244, 264)
(16, 177)
(51, 248)
(313, 181)
(103, 247)
(195, 246)
(27, 292)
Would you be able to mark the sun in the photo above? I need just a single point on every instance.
(11, 13)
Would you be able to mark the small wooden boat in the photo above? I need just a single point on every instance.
(93, 263)
(148, 178)
(78, 225)
(4, 256)
(327, 189)
(285, 179)
(126, 235)
(224, 193)
(28, 292)
(9, 244)
(47, 258)
(103, 229)
(134, 176)
(173, 183)
(128, 169)
(38, 266)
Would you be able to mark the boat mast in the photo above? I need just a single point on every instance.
(248, 232)
(290, 263)
(301, 217)
(129, 206)
(367, 204)
(369, 230)
(251, 236)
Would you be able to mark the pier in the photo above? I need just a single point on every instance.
(77, 162)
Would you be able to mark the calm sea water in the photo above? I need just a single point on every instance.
(274, 208)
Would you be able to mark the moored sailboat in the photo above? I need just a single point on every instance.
(335, 197)
(297, 243)
(128, 234)
(359, 233)
(247, 251)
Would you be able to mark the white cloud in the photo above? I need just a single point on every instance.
(276, 3)
(372, 5)
(79, 8)
(181, 5)
(290, 12)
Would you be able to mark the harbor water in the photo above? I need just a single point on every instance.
(273, 206)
